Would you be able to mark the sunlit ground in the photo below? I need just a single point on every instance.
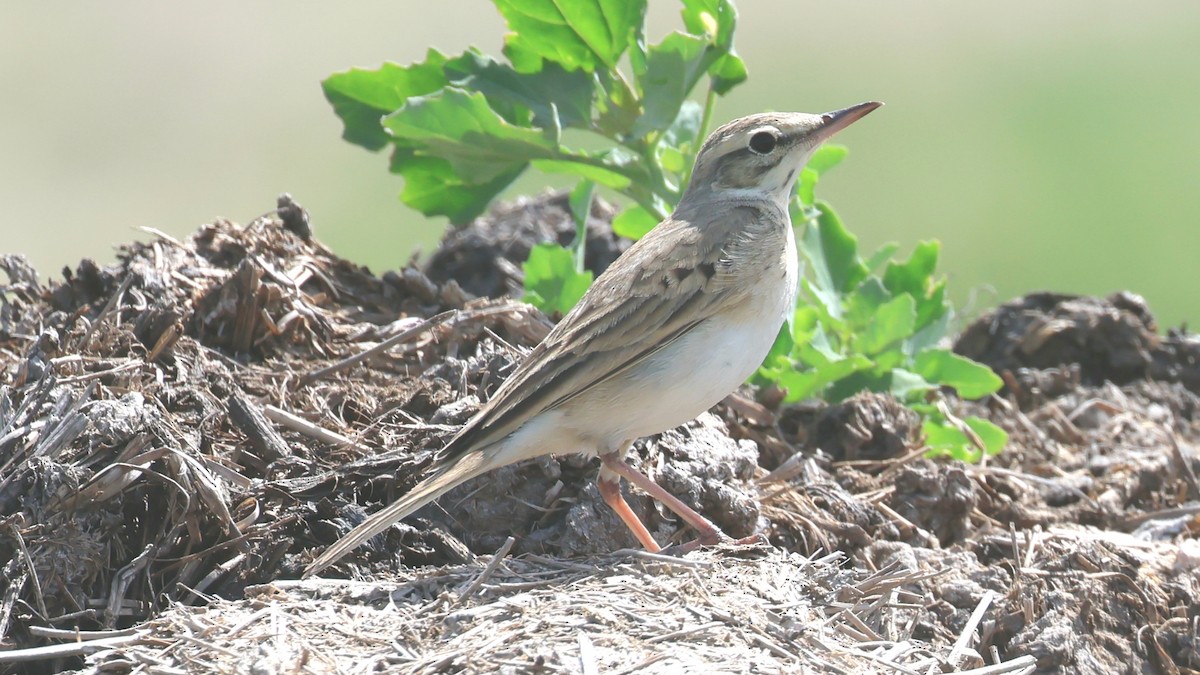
(1047, 145)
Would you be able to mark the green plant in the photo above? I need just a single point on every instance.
(463, 128)
(876, 324)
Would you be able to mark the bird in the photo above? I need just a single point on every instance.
(668, 330)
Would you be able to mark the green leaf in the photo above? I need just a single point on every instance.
(606, 177)
(906, 385)
(362, 97)
(915, 275)
(684, 130)
(806, 186)
(881, 256)
(894, 321)
(716, 20)
(633, 223)
(969, 378)
(552, 283)
(432, 187)
(618, 108)
(809, 383)
(943, 438)
(814, 347)
(833, 252)
(555, 97)
(863, 302)
(727, 72)
(826, 157)
(672, 69)
(464, 130)
(580, 34)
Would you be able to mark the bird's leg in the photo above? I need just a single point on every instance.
(610, 489)
(614, 462)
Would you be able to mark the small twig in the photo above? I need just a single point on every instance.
(75, 635)
(33, 575)
(488, 570)
(1135, 521)
(287, 419)
(964, 638)
(68, 650)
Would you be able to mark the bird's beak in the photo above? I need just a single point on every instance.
(833, 122)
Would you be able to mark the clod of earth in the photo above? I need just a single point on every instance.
(178, 431)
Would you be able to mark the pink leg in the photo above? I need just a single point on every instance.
(610, 490)
(709, 533)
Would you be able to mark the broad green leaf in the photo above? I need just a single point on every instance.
(906, 385)
(727, 72)
(552, 283)
(826, 301)
(362, 97)
(944, 438)
(555, 97)
(578, 34)
(809, 383)
(969, 378)
(432, 187)
(933, 306)
(671, 158)
(929, 335)
(894, 321)
(686, 127)
(462, 129)
(833, 252)
(618, 106)
(915, 275)
(806, 186)
(679, 144)
(826, 157)
(716, 20)
(815, 348)
(672, 68)
(863, 302)
(599, 174)
(633, 223)
(881, 256)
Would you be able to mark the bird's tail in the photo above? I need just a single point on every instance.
(470, 465)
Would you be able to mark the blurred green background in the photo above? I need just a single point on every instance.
(1047, 145)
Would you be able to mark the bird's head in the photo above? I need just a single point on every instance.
(760, 156)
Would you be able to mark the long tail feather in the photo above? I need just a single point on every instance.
(466, 468)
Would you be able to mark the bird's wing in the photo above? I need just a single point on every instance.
(668, 282)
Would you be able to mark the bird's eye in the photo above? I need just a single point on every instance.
(763, 142)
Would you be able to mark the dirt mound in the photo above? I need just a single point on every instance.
(182, 431)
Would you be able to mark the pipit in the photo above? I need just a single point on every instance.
(667, 331)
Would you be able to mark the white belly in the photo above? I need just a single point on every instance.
(700, 368)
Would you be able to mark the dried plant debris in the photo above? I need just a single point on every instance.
(182, 431)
